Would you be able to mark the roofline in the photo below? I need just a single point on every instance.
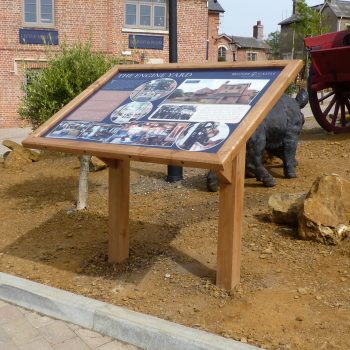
(215, 11)
(338, 17)
(225, 35)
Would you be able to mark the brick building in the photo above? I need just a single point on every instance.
(135, 29)
(238, 48)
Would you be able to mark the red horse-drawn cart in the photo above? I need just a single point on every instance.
(329, 80)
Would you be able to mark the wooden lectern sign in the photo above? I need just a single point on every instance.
(183, 115)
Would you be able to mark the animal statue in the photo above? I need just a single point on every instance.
(278, 134)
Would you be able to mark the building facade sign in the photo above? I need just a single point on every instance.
(146, 42)
(38, 36)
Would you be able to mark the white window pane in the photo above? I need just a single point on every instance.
(130, 20)
(46, 18)
(222, 54)
(145, 15)
(130, 14)
(46, 11)
(30, 11)
(46, 3)
(159, 1)
(159, 16)
(130, 9)
(30, 17)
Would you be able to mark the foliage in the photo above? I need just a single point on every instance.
(292, 88)
(68, 73)
(310, 22)
(273, 40)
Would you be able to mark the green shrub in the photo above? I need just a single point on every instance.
(291, 89)
(67, 74)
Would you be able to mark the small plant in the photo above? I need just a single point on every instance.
(291, 89)
(68, 73)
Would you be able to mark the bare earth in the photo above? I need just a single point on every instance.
(293, 294)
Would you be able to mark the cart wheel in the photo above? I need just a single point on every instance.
(330, 105)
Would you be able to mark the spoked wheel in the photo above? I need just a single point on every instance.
(331, 106)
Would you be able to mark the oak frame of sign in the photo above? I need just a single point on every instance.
(228, 161)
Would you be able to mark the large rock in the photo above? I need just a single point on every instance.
(21, 151)
(285, 207)
(16, 160)
(325, 215)
(96, 164)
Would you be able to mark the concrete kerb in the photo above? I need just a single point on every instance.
(141, 330)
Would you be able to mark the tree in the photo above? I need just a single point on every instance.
(68, 73)
(310, 21)
(273, 40)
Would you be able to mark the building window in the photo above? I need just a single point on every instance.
(287, 56)
(145, 14)
(252, 56)
(222, 54)
(31, 74)
(38, 12)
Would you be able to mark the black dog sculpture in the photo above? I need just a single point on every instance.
(278, 134)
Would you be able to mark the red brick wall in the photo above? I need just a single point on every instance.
(213, 33)
(100, 20)
(192, 30)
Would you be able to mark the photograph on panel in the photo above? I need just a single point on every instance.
(202, 136)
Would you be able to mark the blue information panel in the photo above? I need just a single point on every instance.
(185, 110)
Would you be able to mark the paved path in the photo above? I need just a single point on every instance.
(26, 330)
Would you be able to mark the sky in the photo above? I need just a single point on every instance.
(241, 15)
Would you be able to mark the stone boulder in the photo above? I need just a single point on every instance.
(15, 159)
(96, 164)
(21, 151)
(325, 214)
(285, 207)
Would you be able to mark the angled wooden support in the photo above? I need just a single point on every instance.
(225, 175)
(231, 224)
(119, 193)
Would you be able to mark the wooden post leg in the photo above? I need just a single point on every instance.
(119, 190)
(231, 225)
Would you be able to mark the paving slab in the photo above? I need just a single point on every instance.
(136, 329)
(45, 333)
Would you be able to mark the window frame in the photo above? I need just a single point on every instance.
(250, 53)
(31, 71)
(222, 58)
(38, 23)
(152, 5)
